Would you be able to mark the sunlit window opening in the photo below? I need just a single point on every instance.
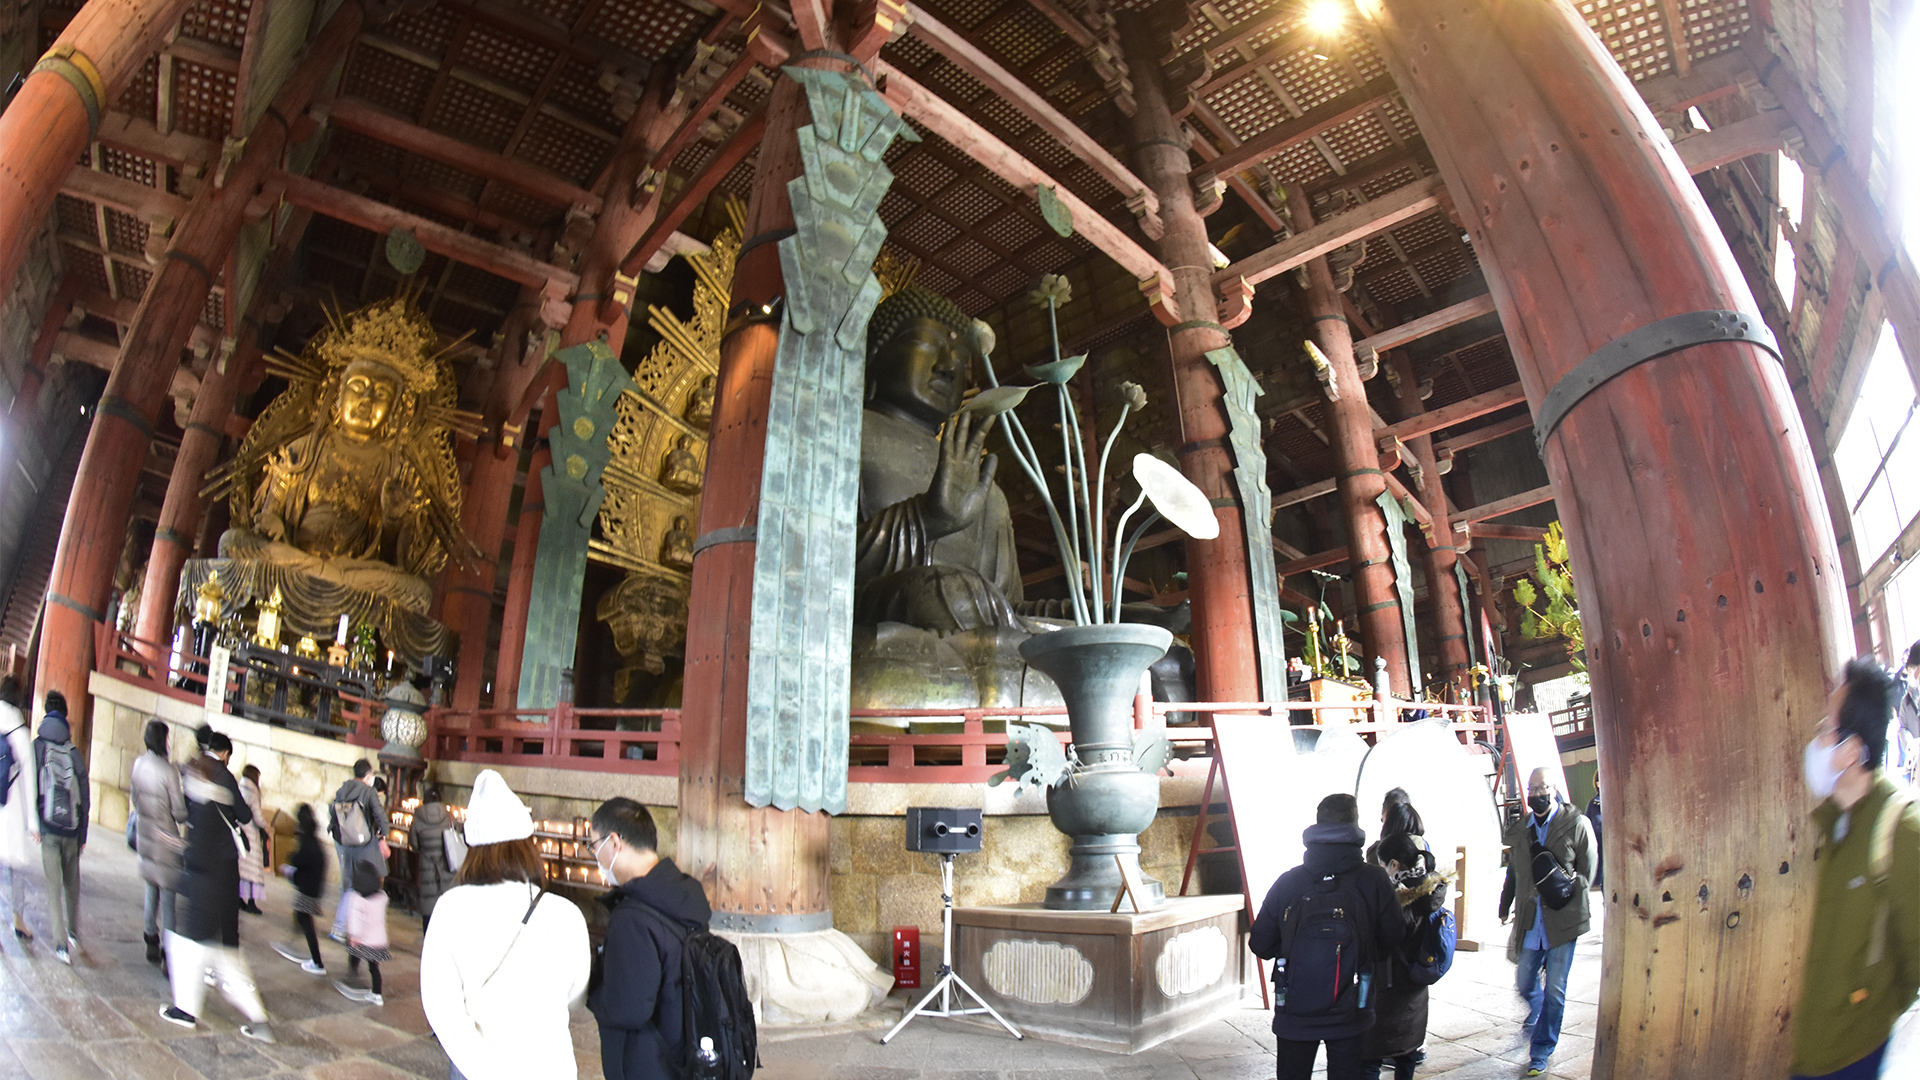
(1878, 456)
(1792, 191)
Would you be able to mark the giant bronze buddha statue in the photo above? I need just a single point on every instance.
(936, 580)
(349, 476)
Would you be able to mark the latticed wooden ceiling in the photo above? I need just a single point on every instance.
(550, 84)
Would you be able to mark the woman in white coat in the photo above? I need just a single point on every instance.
(503, 960)
(18, 817)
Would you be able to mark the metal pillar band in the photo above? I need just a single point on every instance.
(1636, 347)
(79, 70)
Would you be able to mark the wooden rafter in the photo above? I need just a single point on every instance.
(973, 60)
(1502, 507)
(435, 237)
(1424, 326)
(1335, 232)
(1448, 415)
(531, 180)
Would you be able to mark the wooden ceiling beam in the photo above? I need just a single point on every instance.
(1329, 557)
(1209, 153)
(744, 142)
(967, 136)
(87, 350)
(516, 19)
(1305, 126)
(1763, 134)
(483, 82)
(1078, 32)
(1248, 29)
(134, 135)
(146, 203)
(697, 117)
(1502, 507)
(1281, 49)
(355, 115)
(1447, 415)
(1487, 530)
(1335, 232)
(1424, 326)
(435, 237)
(1480, 436)
(969, 58)
(1711, 79)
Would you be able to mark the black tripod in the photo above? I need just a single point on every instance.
(948, 977)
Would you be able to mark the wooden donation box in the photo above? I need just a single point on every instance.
(1122, 982)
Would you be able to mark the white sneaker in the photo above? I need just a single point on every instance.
(337, 936)
(173, 1015)
(312, 968)
(63, 956)
(354, 993)
(288, 952)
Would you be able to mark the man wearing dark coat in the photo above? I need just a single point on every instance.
(1333, 852)
(208, 941)
(635, 991)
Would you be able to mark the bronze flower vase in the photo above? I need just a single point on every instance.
(1106, 801)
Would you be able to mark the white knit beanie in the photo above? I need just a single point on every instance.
(495, 814)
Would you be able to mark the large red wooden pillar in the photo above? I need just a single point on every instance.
(1383, 629)
(754, 861)
(1443, 588)
(1226, 661)
(57, 111)
(1709, 582)
(183, 509)
(96, 521)
(621, 221)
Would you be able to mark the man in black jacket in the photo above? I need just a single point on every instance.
(1332, 863)
(636, 987)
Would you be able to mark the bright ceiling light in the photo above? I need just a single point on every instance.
(1326, 17)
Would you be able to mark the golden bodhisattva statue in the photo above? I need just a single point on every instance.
(681, 471)
(700, 403)
(349, 475)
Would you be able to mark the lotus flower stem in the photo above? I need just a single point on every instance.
(1100, 493)
(1073, 507)
(1126, 554)
(1029, 462)
(1118, 565)
(1078, 447)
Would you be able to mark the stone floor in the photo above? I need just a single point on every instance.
(98, 1019)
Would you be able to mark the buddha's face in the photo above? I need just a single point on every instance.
(367, 394)
(921, 371)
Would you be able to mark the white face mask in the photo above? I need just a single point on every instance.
(1817, 765)
(606, 871)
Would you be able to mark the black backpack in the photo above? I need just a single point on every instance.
(714, 1006)
(1326, 950)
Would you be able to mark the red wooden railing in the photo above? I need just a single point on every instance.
(646, 742)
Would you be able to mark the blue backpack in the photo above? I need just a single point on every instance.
(1430, 948)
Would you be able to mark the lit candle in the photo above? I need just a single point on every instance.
(389, 661)
(340, 638)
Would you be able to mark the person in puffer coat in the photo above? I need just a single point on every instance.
(427, 834)
(1399, 1031)
(162, 805)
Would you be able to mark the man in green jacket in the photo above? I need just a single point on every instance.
(1543, 938)
(1863, 955)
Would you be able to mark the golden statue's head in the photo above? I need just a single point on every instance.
(381, 362)
(369, 390)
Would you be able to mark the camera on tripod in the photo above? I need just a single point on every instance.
(942, 830)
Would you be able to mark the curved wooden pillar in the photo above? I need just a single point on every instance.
(96, 521)
(1710, 585)
(183, 508)
(1443, 589)
(1226, 662)
(1383, 629)
(753, 861)
(57, 111)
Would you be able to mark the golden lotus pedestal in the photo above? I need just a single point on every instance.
(1123, 982)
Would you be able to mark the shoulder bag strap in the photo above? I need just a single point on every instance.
(537, 896)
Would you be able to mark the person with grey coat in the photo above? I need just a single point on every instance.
(427, 835)
(66, 801)
(161, 802)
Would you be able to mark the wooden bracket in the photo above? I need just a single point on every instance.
(875, 23)
(1159, 294)
(1235, 300)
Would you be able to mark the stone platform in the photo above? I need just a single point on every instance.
(1121, 982)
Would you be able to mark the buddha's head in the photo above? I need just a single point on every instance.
(369, 391)
(919, 355)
